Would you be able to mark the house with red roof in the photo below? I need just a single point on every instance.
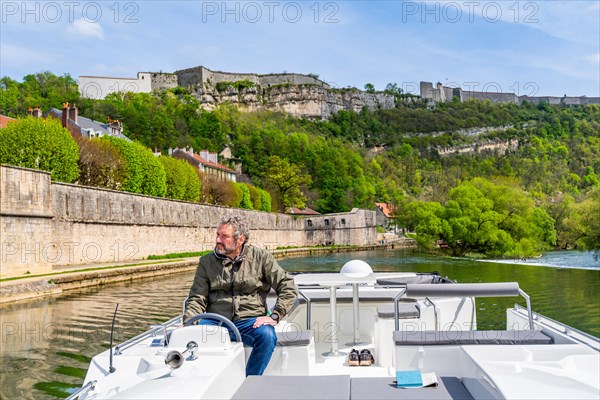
(302, 211)
(205, 161)
(384, 212)
(4, 121)
(85, 127)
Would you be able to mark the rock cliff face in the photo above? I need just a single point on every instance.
(500, 147)
(309, 101)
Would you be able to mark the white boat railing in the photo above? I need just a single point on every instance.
(308, 299)
(308, 308)
(497, 289)
(84, 389)
(151, 333)
(569, 331)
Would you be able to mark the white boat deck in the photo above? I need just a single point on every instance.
(435, 332)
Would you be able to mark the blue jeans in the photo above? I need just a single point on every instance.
(261, 339)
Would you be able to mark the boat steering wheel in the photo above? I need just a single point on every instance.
(222, 320)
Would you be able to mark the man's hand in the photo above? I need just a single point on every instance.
(264, 321)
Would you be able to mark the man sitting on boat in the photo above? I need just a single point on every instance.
(234, 281)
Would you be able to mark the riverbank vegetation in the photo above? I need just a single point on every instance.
(502, 179)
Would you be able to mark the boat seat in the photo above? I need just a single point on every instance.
(448, 388)
(267, 387)
(426, 338)
(294, 338)
(292, 354)
(406, 310)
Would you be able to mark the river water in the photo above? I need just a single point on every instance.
(47, 344)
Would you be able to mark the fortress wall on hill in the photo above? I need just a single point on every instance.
(98, 87)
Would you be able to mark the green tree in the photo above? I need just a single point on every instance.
(43, 89)
(584, 222)
(471, 222)
(392, 88)
(286, 179)
(369, 88)
(483, 217)
(40, 144)
(425, 219)
(9, 97)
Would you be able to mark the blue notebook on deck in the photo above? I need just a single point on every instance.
(415, 379)
(409, 379)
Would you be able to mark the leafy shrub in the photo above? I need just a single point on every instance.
(265, 201)
(175, 179)
(182, 180)
(254, 196)
(245, 201)
(144, 173)
(219, 191)
(40, 144)
(235, 193)
(192, 188)
(100, 164)
(237, 85)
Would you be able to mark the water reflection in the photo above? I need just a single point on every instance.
(47, 344)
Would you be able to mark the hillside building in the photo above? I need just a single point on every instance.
(205, 161)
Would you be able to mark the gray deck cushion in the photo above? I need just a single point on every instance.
(405, 310)
(419, 279)
(425, 338)
(463, 289)
(294, 338)
(335, 387)
(448, 388)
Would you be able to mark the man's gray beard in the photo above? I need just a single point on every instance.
(224, 251)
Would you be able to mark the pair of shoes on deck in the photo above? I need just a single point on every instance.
(364, 358)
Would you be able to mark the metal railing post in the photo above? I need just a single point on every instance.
(88, 386)
(397, 309)
(529, 312)
(308, 308)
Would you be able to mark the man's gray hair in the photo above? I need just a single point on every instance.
(239, 224)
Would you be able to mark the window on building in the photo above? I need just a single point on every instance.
(343, 221)
(308, 222)
(326, 222)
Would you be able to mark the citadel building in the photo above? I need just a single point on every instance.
(443, 93)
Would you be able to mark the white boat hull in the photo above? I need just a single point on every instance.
(550, 361)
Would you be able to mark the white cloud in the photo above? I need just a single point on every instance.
(571, 20)
(85, 28)
(594, 58)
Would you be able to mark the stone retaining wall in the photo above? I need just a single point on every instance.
(45, 224)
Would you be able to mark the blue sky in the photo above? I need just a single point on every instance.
(525, 47)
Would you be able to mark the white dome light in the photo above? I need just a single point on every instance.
(356, 269)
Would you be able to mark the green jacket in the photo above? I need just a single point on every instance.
(238, 288)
